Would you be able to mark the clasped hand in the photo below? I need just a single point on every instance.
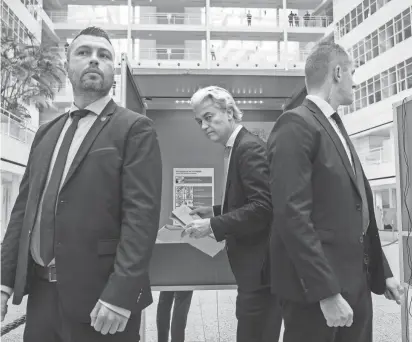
(106, 321)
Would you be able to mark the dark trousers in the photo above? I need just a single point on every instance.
(306, 322)
(46, 320)
(181, 306)
(259, 316)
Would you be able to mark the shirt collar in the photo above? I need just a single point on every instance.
(232, 138)
(325, 107)
(96, 107)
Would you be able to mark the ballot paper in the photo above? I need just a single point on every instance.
(173, 234)
(182, 215)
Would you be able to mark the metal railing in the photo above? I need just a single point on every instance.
(170, 19)
(164, 53)
(240, 19)
(82, 18)
(16, 127)
(309, 21)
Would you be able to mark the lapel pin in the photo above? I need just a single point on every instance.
(103, 118)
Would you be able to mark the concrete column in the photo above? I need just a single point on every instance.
(207, 13)
(129, 29)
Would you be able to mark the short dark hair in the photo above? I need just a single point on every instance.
(93, 31)
(90, 31)
(324, 57)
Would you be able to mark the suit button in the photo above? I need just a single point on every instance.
(358, 207)
(361, 239)
(366, 260)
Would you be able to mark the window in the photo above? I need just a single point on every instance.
(359, 14)
(407, 23)
(372, 7)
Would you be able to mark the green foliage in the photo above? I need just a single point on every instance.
(30, 73)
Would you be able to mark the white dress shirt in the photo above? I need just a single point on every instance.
(95, 108)
(230, 144)
(328, 111)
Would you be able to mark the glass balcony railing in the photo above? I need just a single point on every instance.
(16, 127)
(165, 53)
(84, 17)
(171, 19)
(309, 21)
(240, 19)
(376, 156)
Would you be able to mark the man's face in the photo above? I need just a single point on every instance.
(215, 122)
(90, 65)
(347, 84)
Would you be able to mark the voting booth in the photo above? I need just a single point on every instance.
(402, 112)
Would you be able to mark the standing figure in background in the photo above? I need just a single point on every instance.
(249, 19)
(213, 53)
(180, 300)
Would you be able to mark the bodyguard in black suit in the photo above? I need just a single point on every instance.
(85, 221)
(326, 255)
(244, 216)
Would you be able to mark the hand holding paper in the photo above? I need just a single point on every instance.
(197, 229)
(203, 212)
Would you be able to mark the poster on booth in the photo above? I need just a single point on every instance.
(192, 187)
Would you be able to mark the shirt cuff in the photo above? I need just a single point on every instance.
(7, 289)
(124, 312)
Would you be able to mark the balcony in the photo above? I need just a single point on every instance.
(16, 137)
(224, 58)
(170, 19)
(378, 162)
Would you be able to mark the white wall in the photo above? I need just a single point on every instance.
(25, 17)
(374, 115)
(399, 53)
(374, 21)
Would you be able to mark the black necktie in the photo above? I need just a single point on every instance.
(358, 171)
(47, 219)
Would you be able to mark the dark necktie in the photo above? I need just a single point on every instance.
(358, 172)
(47, 219)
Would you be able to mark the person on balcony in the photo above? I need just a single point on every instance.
(306, 18)
(249, 19)
(296, 18)
(291, 16)
(213, 53)
(244, 216)
(82, 230)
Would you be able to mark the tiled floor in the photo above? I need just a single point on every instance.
(212, 315)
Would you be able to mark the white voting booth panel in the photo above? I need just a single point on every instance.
(403, 141)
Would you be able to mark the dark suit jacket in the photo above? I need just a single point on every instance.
(317, 247)
(247, 212)
(107, 216)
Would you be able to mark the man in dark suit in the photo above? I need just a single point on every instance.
(243, 219)
(85, 221)
(326, 255)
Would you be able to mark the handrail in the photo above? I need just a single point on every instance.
(16, 127)
(170, 18)
(310, 21)
(374, 156)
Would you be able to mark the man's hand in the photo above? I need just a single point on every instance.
(337, 311)
(197, 229)
(203, 212)
(394, 290)
(4, 298)
(106, 321)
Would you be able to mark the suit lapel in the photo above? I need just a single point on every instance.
(335, 138)
(90, 137)
(45, 150)
(231, 167)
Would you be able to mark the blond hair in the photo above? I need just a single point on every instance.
(220, 97)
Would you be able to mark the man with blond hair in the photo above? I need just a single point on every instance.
(244, 216)
(326, 255)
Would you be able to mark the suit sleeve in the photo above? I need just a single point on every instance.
(140, 206)
(11, 241)
(256, 214)
(291, 148)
